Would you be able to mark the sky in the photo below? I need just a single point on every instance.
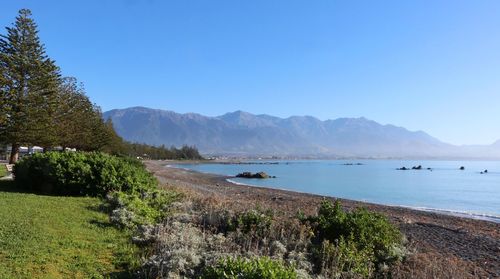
(430, 65)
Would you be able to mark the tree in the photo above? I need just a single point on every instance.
(74, 115)
(80, 123)
(114, 143)
(28, 87)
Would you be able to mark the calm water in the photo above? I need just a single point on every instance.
(444, 188)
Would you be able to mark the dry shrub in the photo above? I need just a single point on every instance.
(182, 250)
(204, 228)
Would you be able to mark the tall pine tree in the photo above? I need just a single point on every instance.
(28, 87)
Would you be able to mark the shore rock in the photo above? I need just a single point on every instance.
(260, 175)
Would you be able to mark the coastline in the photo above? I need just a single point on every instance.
(490, 217)
(448, 212)
(473, 241)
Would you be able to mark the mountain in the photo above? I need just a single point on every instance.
(244, 134)
(497, 143)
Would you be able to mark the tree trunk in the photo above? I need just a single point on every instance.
(14, 153)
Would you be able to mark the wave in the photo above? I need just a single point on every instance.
(459, 213)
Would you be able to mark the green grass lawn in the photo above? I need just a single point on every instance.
(3, 170)
(59, 237)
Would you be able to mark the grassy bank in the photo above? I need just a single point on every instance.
(59, 237)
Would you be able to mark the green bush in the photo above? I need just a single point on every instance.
(81, 174)
(252, 221)
(133, 209)
(369, 232)
(343, 259)
(256, 268)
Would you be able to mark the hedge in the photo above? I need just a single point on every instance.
(82, 174)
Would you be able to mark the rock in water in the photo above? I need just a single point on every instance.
(260, 175)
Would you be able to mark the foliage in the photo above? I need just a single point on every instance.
(28, 86)
(357, 233)
(78, 122)
(81, 173)
(181, 249)
(252, 221)
(38, 106)
(256, 268)
(3, 171)
(60, 237)
(344, 259)
(160, 152)
(147, 207)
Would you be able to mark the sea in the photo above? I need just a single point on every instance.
(439, 186)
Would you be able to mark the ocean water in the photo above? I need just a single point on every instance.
(444, 188)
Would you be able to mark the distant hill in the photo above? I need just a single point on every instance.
(244, 134)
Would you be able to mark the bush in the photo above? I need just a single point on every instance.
(253, 221)
(343, 259)
(81, 174)
(256, 268)
(148, 207)
(361, 231)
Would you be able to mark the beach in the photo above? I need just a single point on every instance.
(472, 244)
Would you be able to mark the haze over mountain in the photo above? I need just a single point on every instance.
(244, 134)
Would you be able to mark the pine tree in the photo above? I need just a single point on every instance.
(28, 87)
(74, 112)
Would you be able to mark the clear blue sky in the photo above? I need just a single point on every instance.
(426, 65)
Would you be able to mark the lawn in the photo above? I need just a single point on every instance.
(3, 170)
(59, 237)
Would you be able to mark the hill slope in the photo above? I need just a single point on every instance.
(243, 133)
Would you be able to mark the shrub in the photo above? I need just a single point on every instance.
(256, 268)
(343, 259)
(359, 231)
(147, 207)
(81, 173)
(181, 250)
(253, 221)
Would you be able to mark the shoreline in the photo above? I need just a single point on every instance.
(488, 217)
(448, 212)
(472, 242)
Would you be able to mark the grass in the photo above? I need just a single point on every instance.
(3, 171)
(59, 237)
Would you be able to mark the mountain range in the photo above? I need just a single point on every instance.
(244, 134)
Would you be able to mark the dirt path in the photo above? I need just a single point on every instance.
(474, 243)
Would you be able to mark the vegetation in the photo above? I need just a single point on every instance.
(147, 208)
(355, 241)
(257, 268)
(137, 150)
(81, 173)
(193, 237)
(29, 82)
(79, 122)
(130, 190)
(38, 106)
(162, 153)
(59, 237)
(132, 197)
(254, 221)
(211, 237)
(3, 171)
